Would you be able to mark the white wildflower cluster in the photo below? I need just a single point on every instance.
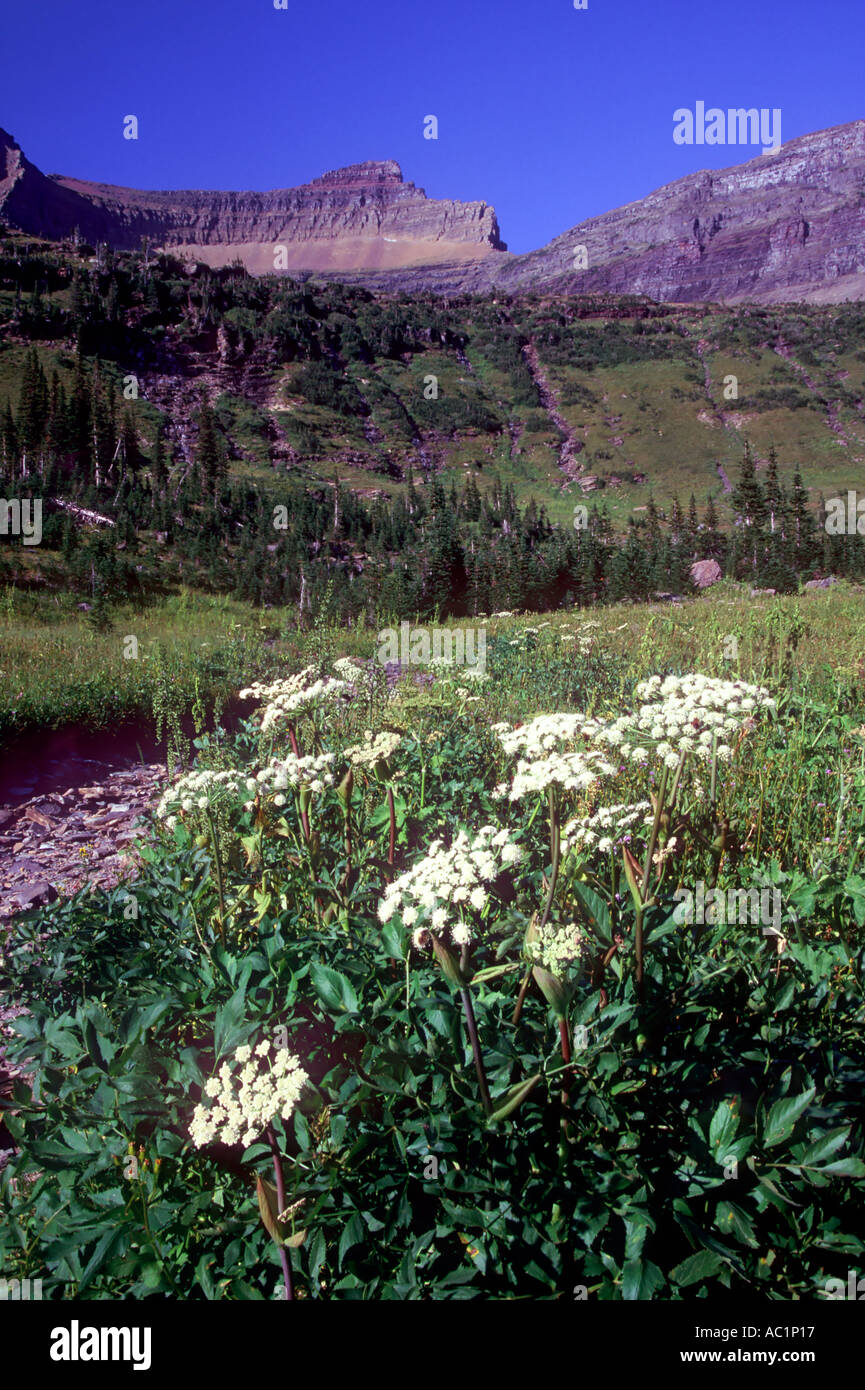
(544, 763)
(684, 714)
(557, 947)
(288, 686)
(432, 896)
(248, 1092)
(570, 771)
(347, 668)
(608, 828)
(582, 635)
(198, 791)
(287, 700)
(314, 772)
(545, 732)
(375, 749)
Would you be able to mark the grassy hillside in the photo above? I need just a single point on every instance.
(307, 378)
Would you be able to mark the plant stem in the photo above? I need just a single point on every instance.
(659, 810)
(392, 810)
(527, 979)
(638, 950)
(476, 1051)
(280, 1197)
(564, 1036)
(555, 848)
(217, 864)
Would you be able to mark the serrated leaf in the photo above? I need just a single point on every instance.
(823, 1147)
(844, 1168)
(334, 990)
(781, 1120)
(597, 909)
(703, 1265)
(640, 1279)
(722, 1130)
(730, 1218)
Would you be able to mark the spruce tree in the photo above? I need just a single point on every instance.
(209, 459)
(803, 526)
(749, 506)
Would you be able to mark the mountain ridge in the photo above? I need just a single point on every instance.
(787, 225)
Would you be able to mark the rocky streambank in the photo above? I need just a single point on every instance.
(59, 841)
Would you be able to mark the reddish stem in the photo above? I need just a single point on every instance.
(392, 809)
(280, 1197)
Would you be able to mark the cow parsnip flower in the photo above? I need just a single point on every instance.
(557, 947)
(314, 772)
(347, 669)
(375, 749)
(255, 1087)
(570, 771)
(683, 715)
(432, 896)
(606, 829)
(287, 700)
(199, 791)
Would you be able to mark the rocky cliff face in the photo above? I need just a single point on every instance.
(363, 216)
(787, 225)
(784, 226)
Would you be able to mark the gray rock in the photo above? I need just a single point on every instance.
(34, 895)
(705, 573)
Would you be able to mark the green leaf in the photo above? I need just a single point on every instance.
(334, 990)
(703, 1265)
(823, 1147)
(640, 1279)
(230, 1026)
(845, 1168)
(492, 972)
(353, 1234)
(722, 1130)
(731, 1219)
(106, 1246)
(598, 912)
(394, 939)
(781, 1120)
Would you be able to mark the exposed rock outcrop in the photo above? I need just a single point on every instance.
(786, 225)
(363, 216)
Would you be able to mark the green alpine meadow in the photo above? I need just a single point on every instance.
(537, 981)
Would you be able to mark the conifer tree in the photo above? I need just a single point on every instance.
(749, 505)
(803, 526)
(209, 459)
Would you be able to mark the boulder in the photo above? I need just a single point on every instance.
(705, 573)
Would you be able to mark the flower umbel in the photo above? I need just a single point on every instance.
(248, 1092)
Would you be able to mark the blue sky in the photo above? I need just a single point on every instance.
(550, 114)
